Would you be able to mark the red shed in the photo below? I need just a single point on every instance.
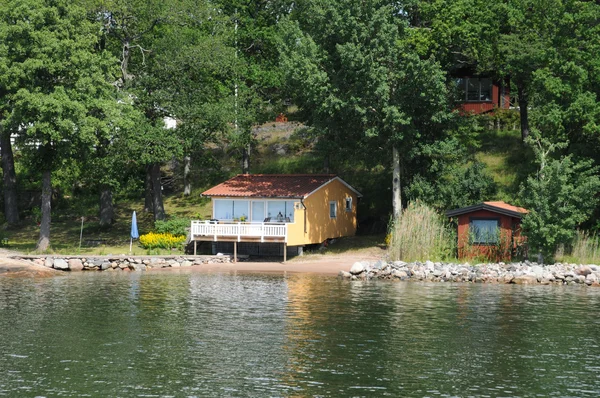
(489, 229)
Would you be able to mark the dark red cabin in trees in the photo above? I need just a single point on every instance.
(490, 230)
(478, 94)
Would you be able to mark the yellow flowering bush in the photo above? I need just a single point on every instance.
(153, 240)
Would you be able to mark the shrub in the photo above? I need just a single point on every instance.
(421, 234)
(161, 241)
(559, 197)
(175, 226)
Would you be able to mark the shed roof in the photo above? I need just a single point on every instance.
(273, 185)
(497, 207)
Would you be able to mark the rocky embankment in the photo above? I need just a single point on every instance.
(518, 273)
(122, 263)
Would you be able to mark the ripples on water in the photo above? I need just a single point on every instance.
(105, 334)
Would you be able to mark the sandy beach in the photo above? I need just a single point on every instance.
(320, 264)
(329, 264)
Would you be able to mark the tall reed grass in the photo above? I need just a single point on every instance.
(421, 234)
(585, 249)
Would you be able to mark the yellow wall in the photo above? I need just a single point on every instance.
(319, 226)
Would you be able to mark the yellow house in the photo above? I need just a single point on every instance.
(290, 209)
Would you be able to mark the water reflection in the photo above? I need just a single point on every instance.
(117, 334)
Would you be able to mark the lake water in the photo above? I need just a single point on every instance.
(195, 335)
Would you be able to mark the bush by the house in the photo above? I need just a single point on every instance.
(175, 226)
(161, 241)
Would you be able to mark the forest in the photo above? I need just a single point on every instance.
(113, 102)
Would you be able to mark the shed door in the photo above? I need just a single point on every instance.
(258, 211)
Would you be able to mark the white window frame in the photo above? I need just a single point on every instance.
(349, 203)
(334, 209)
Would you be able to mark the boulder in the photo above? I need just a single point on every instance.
(583, 270)
(537, 271)
(49, 262)
(75, 264)
(61, 264)
(345, 275)
(186, 263)
(105, 265)
(357, 268)
(525, 280)
(137, 267)
(399, 274)
(429, 265)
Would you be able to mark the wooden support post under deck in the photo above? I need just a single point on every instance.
(234, 251)
(284, 252)
(195, 241)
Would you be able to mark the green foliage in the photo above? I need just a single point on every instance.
(456, 187)
(161, 241)
(174, 225)
(561, 196)
(421, 234)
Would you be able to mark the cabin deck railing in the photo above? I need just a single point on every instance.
(240, 230)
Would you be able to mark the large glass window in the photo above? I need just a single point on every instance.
(279, 210)
(484, 232)
(474, 89)
(223, 209)
(258, 211)
(226, 209)
(241, 209)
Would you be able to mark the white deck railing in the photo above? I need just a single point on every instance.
(239, 230)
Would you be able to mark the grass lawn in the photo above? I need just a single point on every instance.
(507, 160)
(65, 229)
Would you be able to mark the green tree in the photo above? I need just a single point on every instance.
(258, 78)
(561, 196)
(62, 86)
(360, 82)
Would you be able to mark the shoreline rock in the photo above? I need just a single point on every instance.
(116, 263)
(521, 273)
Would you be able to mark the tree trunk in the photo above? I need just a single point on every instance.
(187, 184)
(396, 188)
(107, 212)
(11, 210)
(44, 242)
(246, 160)
(326, 164)
(157, 202)
(524, 113)
(148, 189)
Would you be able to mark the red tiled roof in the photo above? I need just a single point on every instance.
(503, 205)
(270, 185)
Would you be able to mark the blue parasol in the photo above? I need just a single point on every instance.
(134, 231)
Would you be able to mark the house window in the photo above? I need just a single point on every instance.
(349, 204)
(484, 232)
(280, 210)
(332, 209)
(225, 209)
(475, 89)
